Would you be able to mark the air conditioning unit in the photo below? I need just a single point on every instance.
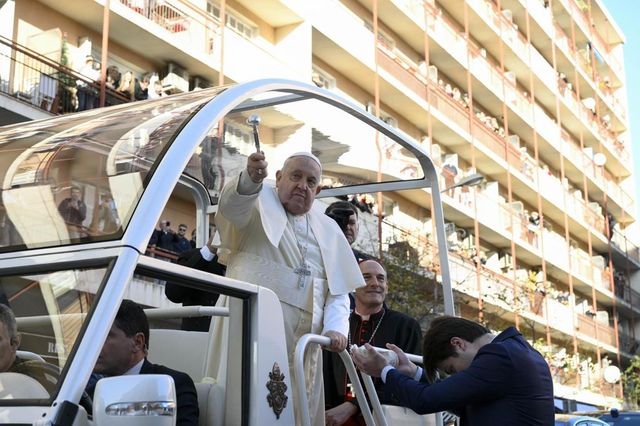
(390, 121)
(433, 73)
(176, 79)
(371, 108)
(449, 229)
(514, 140)
(200, 83)
(506, 261)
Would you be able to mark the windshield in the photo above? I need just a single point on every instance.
(50, 311)
(349, 149)
(78, 178)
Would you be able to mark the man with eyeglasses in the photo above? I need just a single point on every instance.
(271, 236)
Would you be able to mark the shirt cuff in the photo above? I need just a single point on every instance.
(385, 370)
(246, 186)
(418, 374)
(206, 253)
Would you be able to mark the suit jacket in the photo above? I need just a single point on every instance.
(508, 382)
(191, 297)
(186, 395)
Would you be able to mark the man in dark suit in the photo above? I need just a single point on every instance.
(492, 379)
(125, 350)
(202, 259)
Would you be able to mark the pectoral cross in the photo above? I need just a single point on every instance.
(302, 271)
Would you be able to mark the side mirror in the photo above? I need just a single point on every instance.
(143, 399)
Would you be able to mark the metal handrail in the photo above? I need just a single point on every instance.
(301, 346)
(363, 403)
(151, 313)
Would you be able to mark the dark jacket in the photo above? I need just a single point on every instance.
(164, 240)
(72, 215)
(186, 395)
(507, 383)
(188, 296)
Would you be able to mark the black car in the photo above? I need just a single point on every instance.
(626, 418)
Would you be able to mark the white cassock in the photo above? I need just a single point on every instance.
(262, 244)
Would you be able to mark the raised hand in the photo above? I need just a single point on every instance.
(257, 167)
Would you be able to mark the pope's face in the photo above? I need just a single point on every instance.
(298, 183)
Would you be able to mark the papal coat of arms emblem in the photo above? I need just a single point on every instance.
(277, 388)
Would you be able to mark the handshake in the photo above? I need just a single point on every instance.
(390, 357)
(371, 362)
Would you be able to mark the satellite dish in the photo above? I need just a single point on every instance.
(599, 159)
(612, 374)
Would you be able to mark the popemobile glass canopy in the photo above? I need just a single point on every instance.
(81, 178)
(82, 194)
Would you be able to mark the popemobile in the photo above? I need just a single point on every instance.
(132, 165)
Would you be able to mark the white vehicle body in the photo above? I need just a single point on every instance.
(66, 280)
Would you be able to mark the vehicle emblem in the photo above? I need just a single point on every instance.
(277, 388)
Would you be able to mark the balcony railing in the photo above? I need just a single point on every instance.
(625, 245)
(189, 25)
(628, 344)
(596, 330)
(592, 33)
(45, 84)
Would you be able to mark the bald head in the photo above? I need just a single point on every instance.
(370, 298)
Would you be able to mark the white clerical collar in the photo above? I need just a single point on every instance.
(135, 369)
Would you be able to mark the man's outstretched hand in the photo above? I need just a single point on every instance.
(404, 366)
(371, 362)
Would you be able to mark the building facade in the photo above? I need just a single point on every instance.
(528, 93)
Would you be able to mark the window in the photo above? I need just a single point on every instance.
(384, 116)
(322, 79)
(234, 21)
(383, 38)
(234, 134)
(167, 299)
(50, 310)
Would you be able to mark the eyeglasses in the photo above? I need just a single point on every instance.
(182, 229)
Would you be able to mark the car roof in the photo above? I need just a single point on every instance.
(570, 420)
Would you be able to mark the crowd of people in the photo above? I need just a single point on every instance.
(126, 84)
(325, 287)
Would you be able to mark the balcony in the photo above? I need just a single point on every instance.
(584, 163)
(591, 32)
(596, 330)
(491, 76)
(628, 343)
(623, 244)
(44, 84)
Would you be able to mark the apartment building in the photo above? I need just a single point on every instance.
(530, 94)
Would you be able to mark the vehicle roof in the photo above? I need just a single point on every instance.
(571, 419)
(139, 152)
